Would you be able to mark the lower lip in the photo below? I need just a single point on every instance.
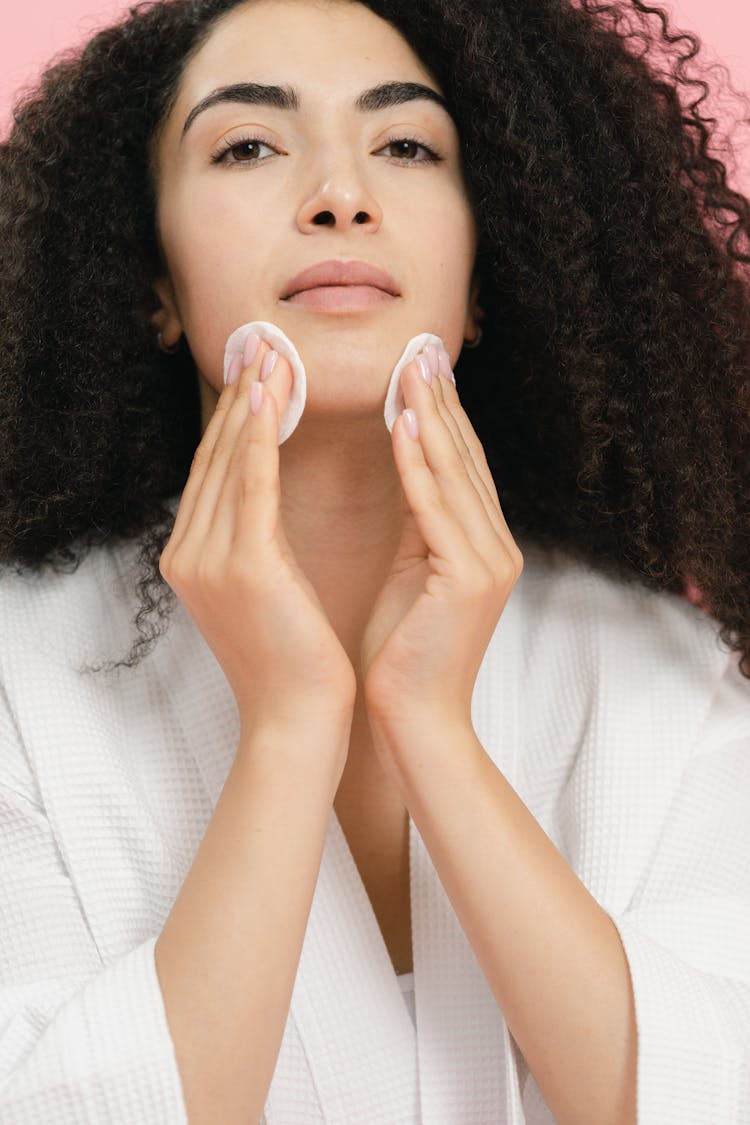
(341, 297)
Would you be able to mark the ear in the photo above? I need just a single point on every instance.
(166, 319)
(474, 312)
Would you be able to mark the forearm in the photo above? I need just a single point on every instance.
(551, 955)
(228, 953)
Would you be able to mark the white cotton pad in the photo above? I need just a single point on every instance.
(394, 399)
(284, 346)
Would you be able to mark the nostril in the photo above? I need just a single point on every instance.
(360, 217)
(323, 217)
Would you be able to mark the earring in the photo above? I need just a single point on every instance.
(477, 339)
(168, 349)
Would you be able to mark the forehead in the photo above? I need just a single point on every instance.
(334, 45)
(324, 44)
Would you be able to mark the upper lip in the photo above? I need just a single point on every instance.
(335, 272)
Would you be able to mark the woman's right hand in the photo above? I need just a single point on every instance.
(230, 564)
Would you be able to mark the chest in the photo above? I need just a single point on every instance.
(376, 827)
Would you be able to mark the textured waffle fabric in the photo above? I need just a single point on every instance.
(406, 984)
(613, 711)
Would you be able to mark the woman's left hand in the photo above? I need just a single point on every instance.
(453, 571)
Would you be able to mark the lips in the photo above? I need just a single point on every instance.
(337, 273)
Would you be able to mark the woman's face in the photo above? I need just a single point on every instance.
(318, 181)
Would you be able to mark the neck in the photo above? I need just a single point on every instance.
(341, 507)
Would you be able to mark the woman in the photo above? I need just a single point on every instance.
(369, 738)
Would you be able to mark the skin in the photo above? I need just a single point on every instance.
(341, 496)
(403, 540)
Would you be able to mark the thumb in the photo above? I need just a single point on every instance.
(411, 547)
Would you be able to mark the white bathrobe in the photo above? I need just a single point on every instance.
(613, 711)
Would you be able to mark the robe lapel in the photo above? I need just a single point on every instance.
(468, 1068)
(347, 1005)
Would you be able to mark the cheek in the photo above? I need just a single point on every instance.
(448, 240)
(208, 242)
(450, 264)
(211, 239)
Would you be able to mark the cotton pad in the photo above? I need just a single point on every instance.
(394, 399)
(284, 346)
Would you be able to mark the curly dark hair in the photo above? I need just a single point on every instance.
(611, 388)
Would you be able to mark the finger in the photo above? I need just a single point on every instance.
(444, 535)
(446, 463)
(254, 482)
(253, 435)
(199, 466)
(472, 442)
(279, 382)
(483, 479)
(460, 433)
(468, 433)
(212, 485)
(475, 457)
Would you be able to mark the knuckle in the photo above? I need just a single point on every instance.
(508, 568)
(176, 574)
(165, 561)
(248, 487)
(258, 483)
(482, 582)
(242, 389)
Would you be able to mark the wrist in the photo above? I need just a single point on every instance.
(418, 731)
(317, 742)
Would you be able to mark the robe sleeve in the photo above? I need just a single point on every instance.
(686, 935)
(79, 1040)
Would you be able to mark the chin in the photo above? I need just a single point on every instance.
(336, 341)
(336, 345)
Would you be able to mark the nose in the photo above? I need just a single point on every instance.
(339, 198)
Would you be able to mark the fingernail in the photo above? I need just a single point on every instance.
(256, 396)
(410, 419)
(269, 362)
(424, 367)
(251, 348)
(432, 358)
(235, 366)
(444, 364)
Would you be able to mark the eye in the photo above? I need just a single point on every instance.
(407, 145)
(234, 144)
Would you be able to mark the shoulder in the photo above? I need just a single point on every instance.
(93, 596)
(606, 623)
(77, 610)
(617, 683)
(624, 694)
(62, 629)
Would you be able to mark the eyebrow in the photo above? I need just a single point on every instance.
(286, 97)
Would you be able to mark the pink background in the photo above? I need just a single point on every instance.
(35, 30)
